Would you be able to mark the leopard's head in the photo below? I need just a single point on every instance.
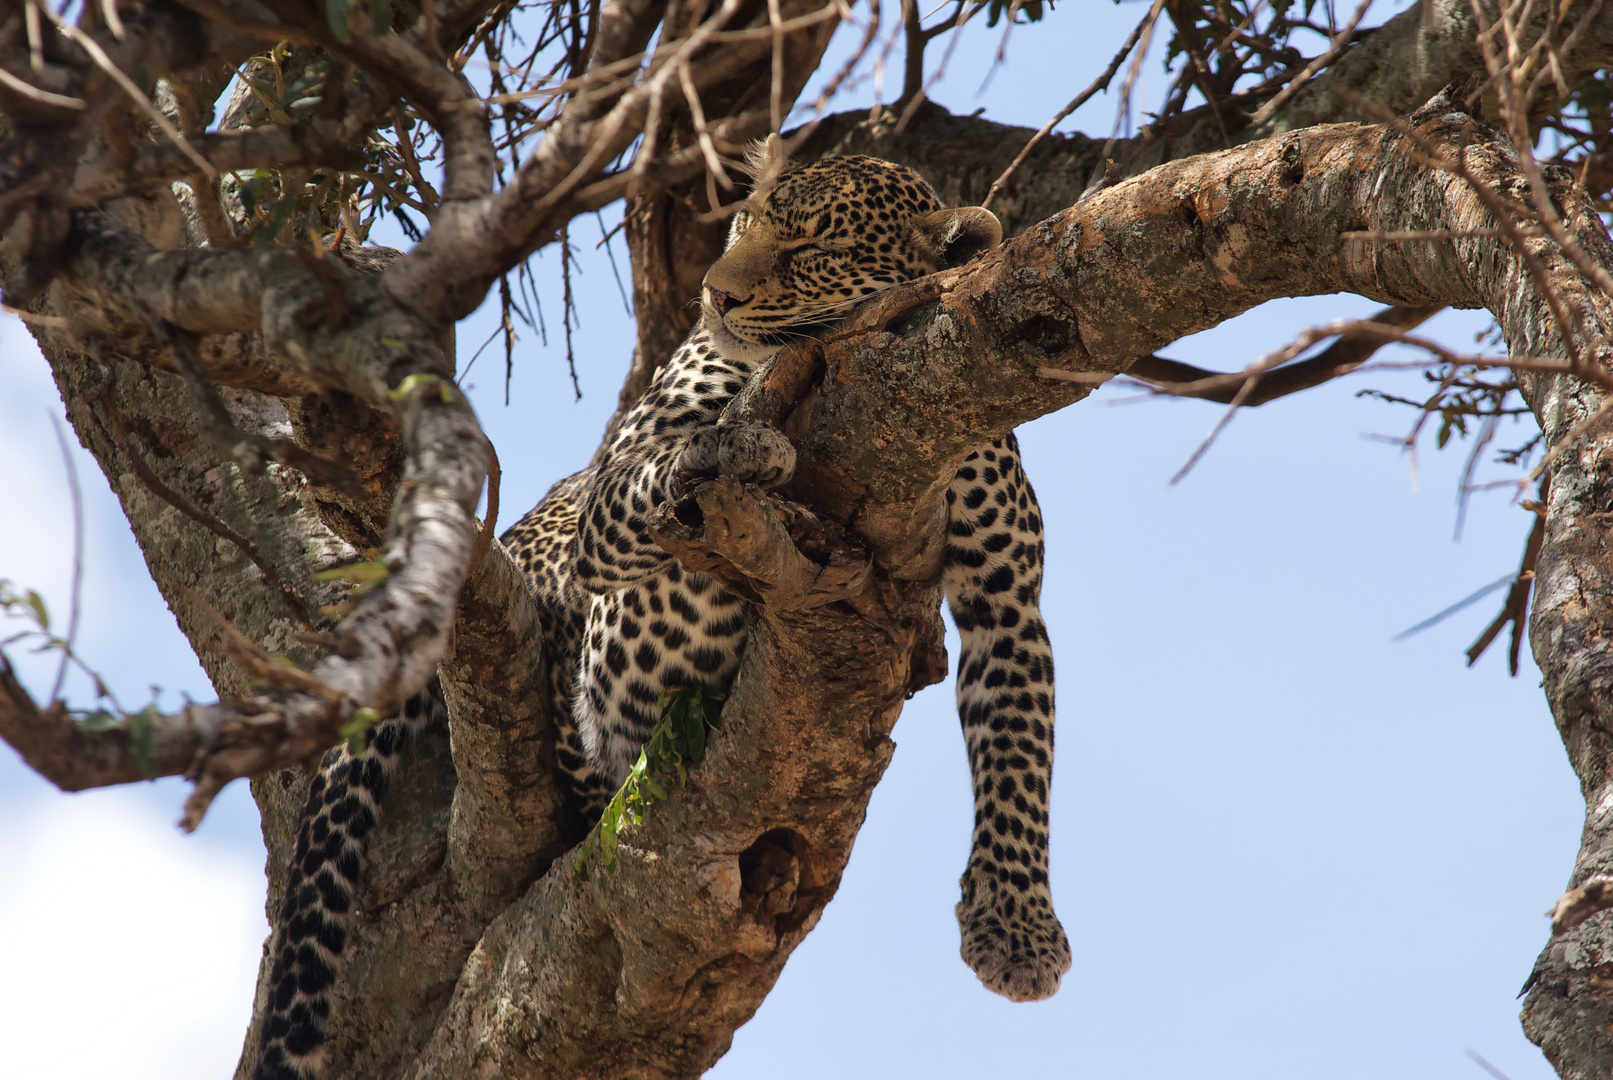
(813, 239)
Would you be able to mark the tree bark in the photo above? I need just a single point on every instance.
(647, 973)
(480, 951)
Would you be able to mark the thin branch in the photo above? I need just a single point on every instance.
(1460, 605)
(775, 93)
(1098, 84)
(253, 658)
(104, 62)
(1357, 343)
(1516, 608)
(1339, 43)
(484, 541)
(913, 63)
(246, 449)
(36, 95)
(78, 557)
(1123, 107)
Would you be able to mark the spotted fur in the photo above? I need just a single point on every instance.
(343, 807)
(623, 620)
(812, 240)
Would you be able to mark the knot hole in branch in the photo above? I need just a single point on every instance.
(913, 320)
(779, 879)
(1295, 172)
(1048, 333)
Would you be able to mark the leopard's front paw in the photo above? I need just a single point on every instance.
(1012, 939)
(751, 453)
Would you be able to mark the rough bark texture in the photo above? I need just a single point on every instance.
(1569, 1006)
(646, 973)
(1568, 1010)
(479, 951)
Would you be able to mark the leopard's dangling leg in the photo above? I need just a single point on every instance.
(343, 807)
(993, 580)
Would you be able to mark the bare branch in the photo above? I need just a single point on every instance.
(1354, 347)
(452, 269)
(1100, 83)
(1336, 46)
(1515, 609)
(104, 62)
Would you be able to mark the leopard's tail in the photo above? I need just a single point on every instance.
(343, 808)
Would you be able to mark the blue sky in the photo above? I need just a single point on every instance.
(1284, 845)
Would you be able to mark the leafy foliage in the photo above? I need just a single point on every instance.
(140, 725)
(290, 86)
(1017, 10)
(677, 742)
(357, 727)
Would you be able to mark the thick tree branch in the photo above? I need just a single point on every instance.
(314, 143)
(650, 970)
(1432, 44)
(509, 815)
(389, 646)
(1391, 73)
(76, 756)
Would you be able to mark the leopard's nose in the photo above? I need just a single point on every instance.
(724, 302)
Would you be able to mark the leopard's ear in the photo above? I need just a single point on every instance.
(959, 235)
(766, 157)
(765, 161)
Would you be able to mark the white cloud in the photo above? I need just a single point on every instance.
(128, 950)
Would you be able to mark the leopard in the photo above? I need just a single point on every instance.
(623, 620)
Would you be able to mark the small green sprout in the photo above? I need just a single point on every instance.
(677, 742)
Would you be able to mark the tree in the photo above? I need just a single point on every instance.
(172, 361)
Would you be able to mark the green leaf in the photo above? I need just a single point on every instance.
(98, 721)
(253, 192)
(336, 15)
(380, 17)
(697, 736)
(1030, 10)
(37, 602)
(686, 712)
(266, 234)
(353, 731)
(143, 740)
